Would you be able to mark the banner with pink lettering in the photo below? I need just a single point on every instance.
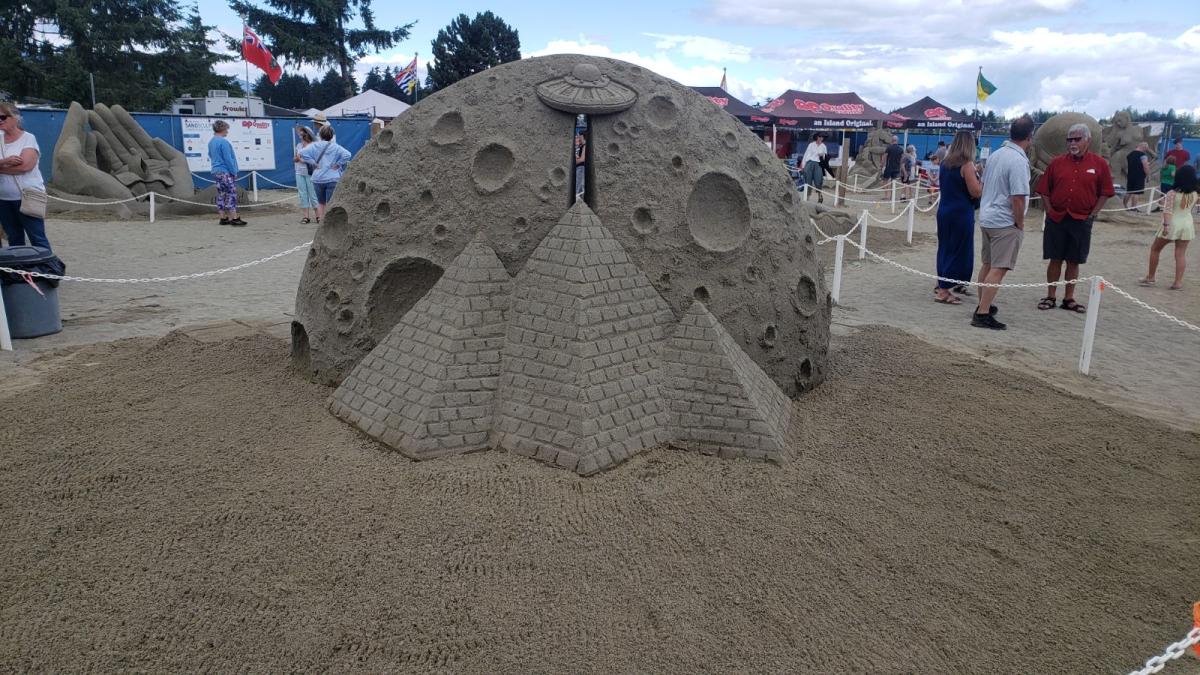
(811, 110)
(930, 114)
(735, 107)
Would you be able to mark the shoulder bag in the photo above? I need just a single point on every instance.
(33, 201)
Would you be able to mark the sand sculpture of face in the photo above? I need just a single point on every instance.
(698, 202)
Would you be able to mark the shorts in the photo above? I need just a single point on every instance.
(1165, 188)
(1000, 246)
(1069, 239)
(891, 174)
(324, 192)
(1135, 187)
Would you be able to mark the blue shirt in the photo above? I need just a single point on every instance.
(334, 159)
(1005, 175)
(220, 153)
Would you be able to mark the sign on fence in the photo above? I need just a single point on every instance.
(252, 139)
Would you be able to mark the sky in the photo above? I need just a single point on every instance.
(1084, 55)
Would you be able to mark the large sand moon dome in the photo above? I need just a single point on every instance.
(699, 203)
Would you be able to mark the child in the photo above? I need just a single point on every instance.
(1178, 225)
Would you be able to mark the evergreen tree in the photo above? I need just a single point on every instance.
(293, 91)
(468, 46)
(189, 63)
(374, 79)
(318, 32)
(332, 89)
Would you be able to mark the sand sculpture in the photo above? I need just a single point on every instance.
(868, 164)
(104, 154)
(1122, 137)
(460, 309)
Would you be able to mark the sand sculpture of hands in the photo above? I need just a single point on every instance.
(104, 153)
(869, 161)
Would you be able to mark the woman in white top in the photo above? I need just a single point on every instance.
(810, 164)
(19, 155)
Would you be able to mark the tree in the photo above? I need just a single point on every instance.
(468, 46)
(331, 89)
(188, 66)
(318, 32)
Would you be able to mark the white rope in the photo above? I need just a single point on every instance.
(828, 238)
(182, 277)
(888, 189)
(1155, 310)
(852, 201)
(262, 177)
(900, 215)
(240, 206)
(960, 282)
(68, 201)
(933, 205)
(1173, 651)
(1134, 209)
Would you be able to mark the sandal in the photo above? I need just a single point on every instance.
(962, 290)
(1145, 281)
(947, 299)
(1049, 302)
(1071, 306)
(305, 221)
(1173, 287)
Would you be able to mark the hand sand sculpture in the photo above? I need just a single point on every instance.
(464, 303)
(105, 155)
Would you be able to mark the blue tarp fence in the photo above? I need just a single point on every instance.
(352, 134)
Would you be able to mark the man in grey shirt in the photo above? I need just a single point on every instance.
(1002, 216)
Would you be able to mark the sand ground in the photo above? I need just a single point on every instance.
(942, 512)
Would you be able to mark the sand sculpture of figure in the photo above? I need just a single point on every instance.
(868, 164)
(463, 303)
(1122, 137)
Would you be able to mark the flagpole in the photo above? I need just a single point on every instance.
(977, 76)
(417, 83)
(248, 87)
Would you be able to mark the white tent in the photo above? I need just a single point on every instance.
(371, 103)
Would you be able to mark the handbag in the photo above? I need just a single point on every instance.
(312, 166)
(33, 201)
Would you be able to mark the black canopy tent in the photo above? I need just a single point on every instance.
(735, 107)
(810, 110)
(930, 114)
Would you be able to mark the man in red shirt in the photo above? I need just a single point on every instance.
(1073, 189)
(1181, 156)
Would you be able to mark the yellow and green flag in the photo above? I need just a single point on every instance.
(983, 88)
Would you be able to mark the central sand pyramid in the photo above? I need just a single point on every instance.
(578, 362)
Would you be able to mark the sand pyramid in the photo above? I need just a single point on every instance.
(429, 388)
(721, 401)
(580, 384)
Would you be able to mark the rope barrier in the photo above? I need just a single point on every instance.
(960, 282)
(933, 205)
(240, 206)
(69, 201)
(181, 277)
(1172, 652)
(903, 213)
(1155, 310)
(288, 187)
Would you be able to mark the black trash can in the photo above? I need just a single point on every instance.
(31, 303)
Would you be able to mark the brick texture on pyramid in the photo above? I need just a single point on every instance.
(721, 401)
(428, 389)
(580, 384)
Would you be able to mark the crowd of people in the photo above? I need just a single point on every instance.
(1074, 188)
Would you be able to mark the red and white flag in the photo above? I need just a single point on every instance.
(255, 52)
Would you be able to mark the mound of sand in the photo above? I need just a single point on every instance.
(175, 505)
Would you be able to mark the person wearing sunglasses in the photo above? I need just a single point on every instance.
(19, 155)
(1075, 186)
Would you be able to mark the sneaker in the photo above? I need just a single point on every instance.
(237, 222)
(224, 221)
(986, 321)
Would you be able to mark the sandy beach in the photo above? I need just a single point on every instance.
(957, 500)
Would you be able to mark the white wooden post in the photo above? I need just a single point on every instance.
(6, 338)
(912, 215)
(1150, 200)
(806, 192)
(839, 251)
(152, 206)
(862, 234)
(1089, 324)
(856, 182)
(893, 195)
(254, 183)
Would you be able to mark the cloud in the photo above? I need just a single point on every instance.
(706, 48)
(695, 75)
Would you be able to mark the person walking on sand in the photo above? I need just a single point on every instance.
(1137, 168)
(814, 155)
(1002, 216)
(1178, 226)
(1074, 186)
(956, 217)
(224, 171)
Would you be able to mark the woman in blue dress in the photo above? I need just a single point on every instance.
(958, 185)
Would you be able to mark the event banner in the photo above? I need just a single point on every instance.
(252, 139)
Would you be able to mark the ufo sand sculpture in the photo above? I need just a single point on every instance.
(463, 300)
